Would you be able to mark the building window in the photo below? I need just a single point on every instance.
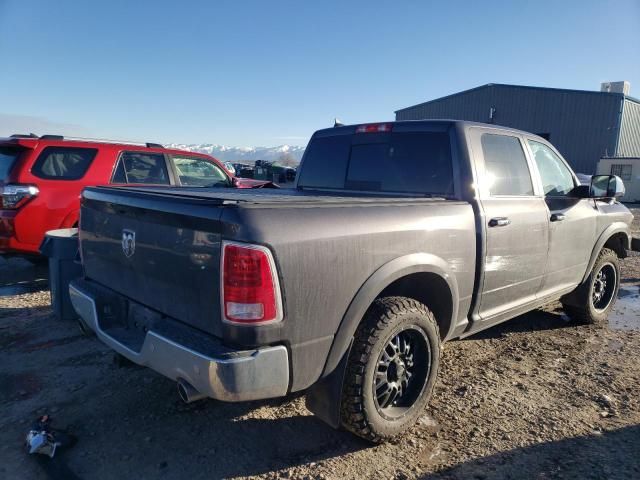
(623, 171)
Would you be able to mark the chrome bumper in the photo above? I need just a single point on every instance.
(252, 375)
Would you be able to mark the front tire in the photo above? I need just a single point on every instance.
(391, 370)
(592, 301)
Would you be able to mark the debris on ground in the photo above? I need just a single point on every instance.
(44, 440)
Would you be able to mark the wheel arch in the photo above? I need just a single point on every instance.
(617, 237)
(417, 276)
(71, 219)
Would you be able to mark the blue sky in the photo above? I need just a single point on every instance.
(269, 73)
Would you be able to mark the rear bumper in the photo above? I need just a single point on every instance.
(232, 376)
(9, 244)
(10, 247)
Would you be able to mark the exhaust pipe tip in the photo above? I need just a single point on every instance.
(188, 393)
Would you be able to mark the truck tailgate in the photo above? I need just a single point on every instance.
(164, 255)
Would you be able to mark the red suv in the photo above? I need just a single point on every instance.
(41, 179)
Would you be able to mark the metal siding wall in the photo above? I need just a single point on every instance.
(629, 143)
(463, 106)
(582, 126)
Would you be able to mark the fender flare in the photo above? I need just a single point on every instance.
(71, 219)
(610, 231)
(376, 283)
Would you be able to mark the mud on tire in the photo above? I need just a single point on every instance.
(391, 369)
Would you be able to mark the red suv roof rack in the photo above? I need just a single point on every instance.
(84, 139)
(24, 135)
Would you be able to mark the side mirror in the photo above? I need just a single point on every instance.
(606, 186)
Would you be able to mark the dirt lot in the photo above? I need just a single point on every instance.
(533, 398)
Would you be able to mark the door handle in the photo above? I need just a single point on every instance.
(557, 217)
(499, 222)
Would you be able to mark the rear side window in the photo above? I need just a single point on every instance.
(63, 163)
(506, 170)
(404, 162)
(140, 167)
(8, 157)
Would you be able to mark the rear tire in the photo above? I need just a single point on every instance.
(592, 301)
(391, 370)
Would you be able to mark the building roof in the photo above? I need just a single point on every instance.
(528, 87)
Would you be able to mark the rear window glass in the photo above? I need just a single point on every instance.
(64, 163)
(407, 162)
(506, 169)
(8, 157)
(139, 167)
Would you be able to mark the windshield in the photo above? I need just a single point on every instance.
(407, 162)
(8, 156)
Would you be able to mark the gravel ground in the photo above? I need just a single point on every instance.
(532, 398)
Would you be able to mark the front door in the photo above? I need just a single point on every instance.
(515, 222)
(572, 221)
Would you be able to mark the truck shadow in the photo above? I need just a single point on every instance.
(285, 443)
(210, 439)
(612, 454)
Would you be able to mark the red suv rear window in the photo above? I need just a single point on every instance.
(8, 156)
(63, 163)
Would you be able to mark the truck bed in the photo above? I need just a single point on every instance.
(325, 252)
(271, 197)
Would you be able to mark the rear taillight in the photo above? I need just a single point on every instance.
(250, 293)
(374, 128)
(14, 196)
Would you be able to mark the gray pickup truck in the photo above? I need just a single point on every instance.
(397, 237)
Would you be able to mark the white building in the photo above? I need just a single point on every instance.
(628, 169)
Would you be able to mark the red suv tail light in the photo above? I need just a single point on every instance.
(14, 196)
(250, 291)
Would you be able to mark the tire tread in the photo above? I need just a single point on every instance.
(378, 318)
(582, 313)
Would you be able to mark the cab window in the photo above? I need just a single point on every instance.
(557, 180)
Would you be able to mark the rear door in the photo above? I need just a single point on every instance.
(515, 222)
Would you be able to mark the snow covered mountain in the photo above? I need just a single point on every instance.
(250, 154)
